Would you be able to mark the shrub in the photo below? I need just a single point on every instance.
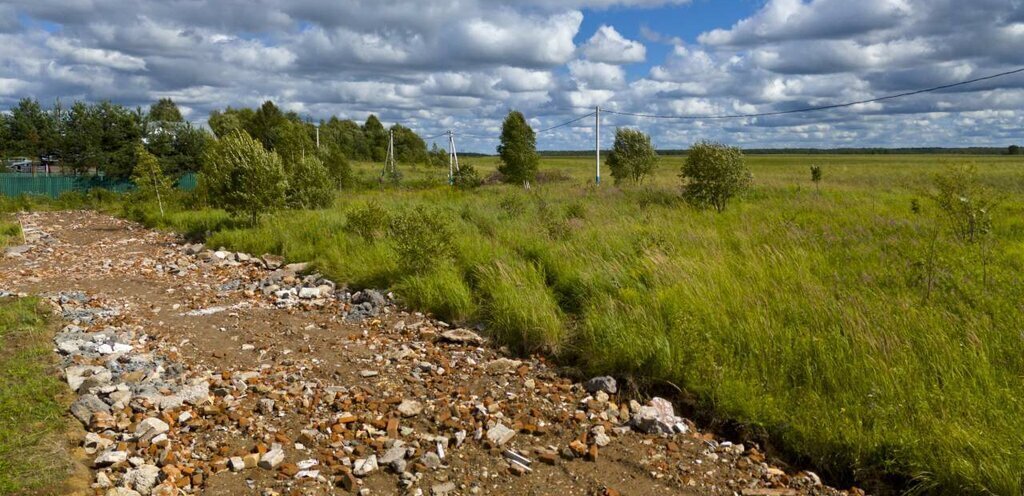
(421, 238)
(242, 177)
(466, 177)
(713, 173)
(966, 204)
(632, 158)
(816, 174)
(309, 184)
(368, 221)
(518, 150)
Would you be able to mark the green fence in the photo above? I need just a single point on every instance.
(54, 185)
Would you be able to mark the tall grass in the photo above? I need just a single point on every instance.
(852, 330)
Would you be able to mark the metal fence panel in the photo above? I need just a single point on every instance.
(53, 185)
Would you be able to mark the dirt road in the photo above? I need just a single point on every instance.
(210, 372)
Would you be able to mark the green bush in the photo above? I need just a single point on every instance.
(309, 184)
(421, 238)
(467, 177)
(242, 177)
(632, 158)
(714, 173)
(369, 220)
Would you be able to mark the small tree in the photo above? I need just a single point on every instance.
(337, 165)
(966, 203)
(1013, 150)
(816, 175)
(632, 157)
(242, 177)
(518, 150)
(149, 179)
(309, 184)
(713, 173)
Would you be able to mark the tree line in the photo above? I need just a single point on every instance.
(103, 137)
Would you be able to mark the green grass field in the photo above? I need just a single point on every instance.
(853, 331)
(33, 452)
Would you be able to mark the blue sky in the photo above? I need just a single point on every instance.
(462, 64)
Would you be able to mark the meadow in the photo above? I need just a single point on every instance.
(841, 323)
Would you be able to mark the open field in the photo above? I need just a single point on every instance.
(847, 326)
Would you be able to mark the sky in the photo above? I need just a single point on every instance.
(463, 64)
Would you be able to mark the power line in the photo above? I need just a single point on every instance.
(552, 128)
(823, 107)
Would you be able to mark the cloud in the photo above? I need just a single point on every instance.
(596, 75)
(461, 64)
(608, 46)
(781, 20)
(96, 56)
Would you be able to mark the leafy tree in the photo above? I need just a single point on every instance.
(376, 138)
(292, 141)
(409, 147)
(309, 183)
(242, 177)
(348, 136)
(230, 120)
(713, 173)
(149, 179)
(632, 158)
(1013, 150)
(164, 110)
(966, 203)
(518, 150)
(337, 165)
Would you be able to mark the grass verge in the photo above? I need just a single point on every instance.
(33, 448)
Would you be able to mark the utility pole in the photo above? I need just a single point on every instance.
(389, 161)
(597, 142)
(318, 136)
(453, 158)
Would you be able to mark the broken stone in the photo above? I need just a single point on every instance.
(150, 428)
(658, 417)
(601, 384)
(143, 479)
(86, 405)
(499, 434)
(110, 457)
(236, 463)
(502, 366)
(364, 466)
(462, 336)
(272, 459)
(410, 408)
